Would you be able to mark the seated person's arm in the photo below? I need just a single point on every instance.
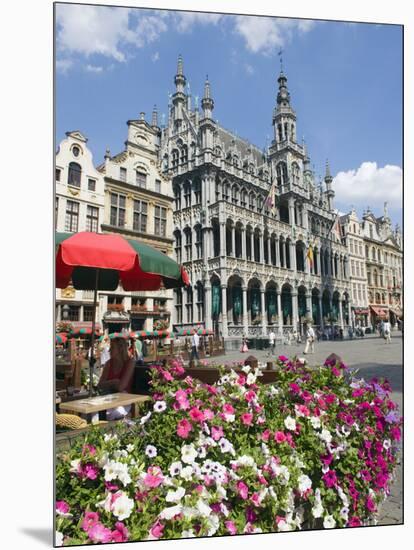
(104, 383)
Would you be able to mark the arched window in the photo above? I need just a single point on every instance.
(235, 161)
(187, 194)
(184, 154)
(251, 201)
(197, 191)
(243, 197)
(295, 173)
(281, 173)
(175, 157)
(177, 197)
(74, 174)
(234, 194)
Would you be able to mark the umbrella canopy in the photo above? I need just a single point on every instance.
(113, 335)
(190, 331)
(61, 338)
(150, 334)
(83, 332)
(135, 265)
(92, 261)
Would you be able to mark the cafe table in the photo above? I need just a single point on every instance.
(92, 405)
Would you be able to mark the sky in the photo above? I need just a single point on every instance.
(344, 78)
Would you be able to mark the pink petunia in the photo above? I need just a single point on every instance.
(120, 533)
(217, 433)
(184, 427)
(62, 507)
(157, 530)
(231, 527)
(280, 437)
(89, 519)
(243, 490)
(247, 419)
(354, 522)
(266, 435)
(330, 478)
(250, 396)
(99, 533)
(154, 477)
(208, 414)
(90, 471)
(196, 415)
(228, 409)
(395, 433)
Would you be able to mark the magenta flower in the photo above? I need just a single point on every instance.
(99, 533)
(395, 433)
(184, 427)
(283, 358)
(231, 527)
(330, 478)
(196, 415)
(120, 534)
(89, 519)
(294, 387)
(87, 448)
(336, 372)
(247, 419)
(91, 471)
(62, 507)
(251, 515)
(280, 437)
(370, 504)
(354, 522)
(228, 409)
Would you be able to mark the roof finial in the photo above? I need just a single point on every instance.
(327, 172)
(281, 59)
(180, 65)
(154, 121)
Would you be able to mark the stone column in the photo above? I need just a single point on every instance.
(293, 255)
(233, 241)
(349, 312)
(341, 319)
(269, 251)
(243, 243)
(308, 268)
(207, 306)
(321, 310)
(291, 203)
(224, 310)
(222, 238)
(193, 245)
(305, 218)
(252, 246)
(263, 312)
(277, 246)
(309, 304)
(245, 312)
(295, 316)
(279, 312)
(261, 248)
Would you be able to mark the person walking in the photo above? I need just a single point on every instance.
(310, 339)
(195, 340)
(272, 338)
(387, 331)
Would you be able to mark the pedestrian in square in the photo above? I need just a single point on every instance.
(195, 340)
(310, 339)
(272, 338)
(387, 331)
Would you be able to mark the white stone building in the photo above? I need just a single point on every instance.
(80, 201)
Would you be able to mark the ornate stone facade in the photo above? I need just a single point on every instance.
(255, 231)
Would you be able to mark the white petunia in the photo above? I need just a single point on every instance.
(151, 451)
(145, 418)
(305, 483)
(110, 437)
(74, 465)
(317, 509)
(329, 522)
(175, 496)
(290, 423)
(187, 473)
(386, 444)
(130, 448)
(325, 435)
(201, 452)
(160, 406)
(251, 379)
(188, 533)
(344, 513)
(188, 454)
(203, 508)
(169, 513)
(226, 446)
(213, 523)
(123, 507)
(117, 470)
(175, 468)
(246, 369)
(282, 525)
(58, 538)
(315, 421)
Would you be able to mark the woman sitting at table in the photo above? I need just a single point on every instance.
(117, 375)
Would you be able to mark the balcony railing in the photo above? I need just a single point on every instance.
(116, 307)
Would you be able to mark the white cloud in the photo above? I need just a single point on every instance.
(155, 56)
(369, 185)
(88, 30)
(249, 69)
(186, 20)
(63, 65)
(93, 69)
(148, 29)
(266, 34)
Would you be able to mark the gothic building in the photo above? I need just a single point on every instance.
(255, 231)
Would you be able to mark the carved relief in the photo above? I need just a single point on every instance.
(68, 292)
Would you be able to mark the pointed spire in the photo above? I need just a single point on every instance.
(180, 65)
(328, 177)
(207, 89)
(154, 120)
(107, 153)
(207, 103)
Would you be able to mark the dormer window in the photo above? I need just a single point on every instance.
(122, 174)
(75, 151)
(141, 179)
(74, 174)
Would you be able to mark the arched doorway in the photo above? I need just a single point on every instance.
(316, 314)
(254, 302)
(286, 299)
(271, 303)
(235, 298)
(215, 304)
(335, 306)
(326, 304)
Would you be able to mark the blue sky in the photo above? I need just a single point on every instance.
(345, 81)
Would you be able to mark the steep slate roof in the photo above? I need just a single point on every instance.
(240, 144)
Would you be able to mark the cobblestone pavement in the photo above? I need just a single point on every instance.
(373, 357)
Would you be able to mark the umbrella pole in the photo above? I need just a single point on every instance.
(92, 357)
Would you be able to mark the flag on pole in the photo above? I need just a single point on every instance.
(270, 199)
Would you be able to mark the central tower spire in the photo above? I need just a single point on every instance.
(284, 117)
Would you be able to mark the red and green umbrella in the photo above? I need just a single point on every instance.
(113, 335)
(61, 338)
(150, 334)
(83, 332)
(93, 261)
(190, 331)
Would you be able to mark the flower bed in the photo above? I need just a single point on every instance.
(315, 450)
